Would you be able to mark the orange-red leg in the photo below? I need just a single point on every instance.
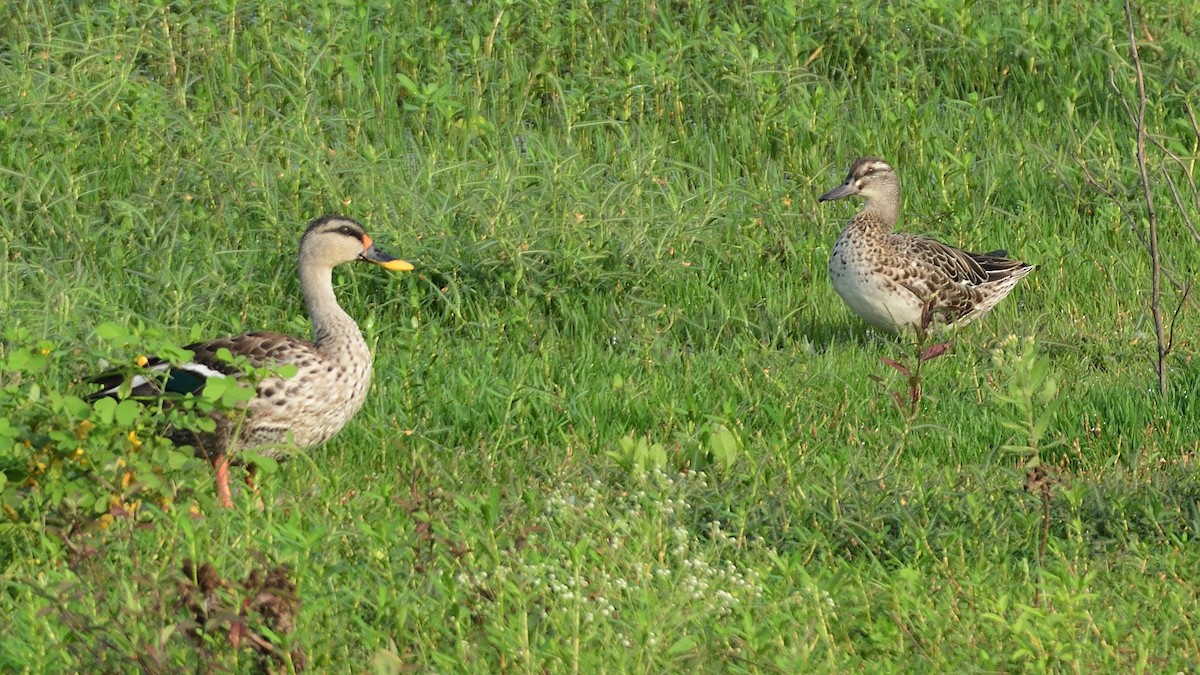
(223, 495)
(251, 472)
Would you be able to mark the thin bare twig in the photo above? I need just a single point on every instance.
(1151, 217)
(1175, 315)
(1133, 225)
(1187, 173)
(1187, 220)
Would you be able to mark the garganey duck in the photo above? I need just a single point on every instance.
(332, 373)
(887, 277)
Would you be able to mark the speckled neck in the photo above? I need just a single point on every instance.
(869, 226)
(335, 333)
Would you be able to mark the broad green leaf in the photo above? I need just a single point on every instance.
(177, 460)
(266, 464)
(723, 445)
(105, 409)
(683, 645)
(236, 393)
(111, 332)
(126, 412)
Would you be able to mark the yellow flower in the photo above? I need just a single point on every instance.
(84, 428)
(78, 454)
(141, 360)
(126, 479)
(134, 441)
(105, 521)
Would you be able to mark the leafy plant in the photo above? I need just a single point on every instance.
(638, 455)
(67, 463)
(1029, 387)
(721, 447)
(907, 398)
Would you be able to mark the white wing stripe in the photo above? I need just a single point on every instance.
(201, 369)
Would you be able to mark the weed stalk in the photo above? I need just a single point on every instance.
(1031, 393)
(907, 398)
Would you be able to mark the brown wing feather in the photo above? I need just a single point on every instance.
(998, 265)
(259, 349)
(955, 264)
(964, 267)
(958, 281)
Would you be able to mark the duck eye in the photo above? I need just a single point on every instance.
(346, 231)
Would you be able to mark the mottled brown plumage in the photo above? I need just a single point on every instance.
(332, 373)
(886, 277)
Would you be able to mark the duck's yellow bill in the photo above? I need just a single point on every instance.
(397, 265)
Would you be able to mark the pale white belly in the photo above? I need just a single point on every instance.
(871, 294)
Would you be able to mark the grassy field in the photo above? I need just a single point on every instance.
(620, 422)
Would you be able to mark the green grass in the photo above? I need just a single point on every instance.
(612, 210)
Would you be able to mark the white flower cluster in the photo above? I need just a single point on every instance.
(823, 600)
(650, 518)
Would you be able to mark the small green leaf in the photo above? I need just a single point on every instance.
(723, 445)
(17, 359)
(215, 387)
(238, 393)
(126, 412)
(150, 481)
(177, 460)
(268, 465)
(657, 456)
(110, 332)
(104, 409)
(7, 430)
(75, 406)
(1040, 426)
(683, 645)
(407, 83)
